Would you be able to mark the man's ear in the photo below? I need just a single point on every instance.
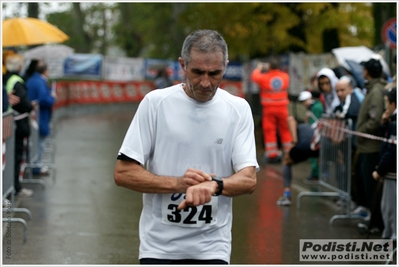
(181, 61)
(225, 67)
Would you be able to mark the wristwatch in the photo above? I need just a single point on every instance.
(219, 181)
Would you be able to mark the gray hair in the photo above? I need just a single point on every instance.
(348, 79)
(204, 41)
(14, 63)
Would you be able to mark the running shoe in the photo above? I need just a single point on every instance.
(25, 193)
(363, 212)
(284, 201)
(362, 228)
(274, 160)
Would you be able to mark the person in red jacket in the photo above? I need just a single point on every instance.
(273, 85)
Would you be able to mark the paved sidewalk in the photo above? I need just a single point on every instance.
(84, 218)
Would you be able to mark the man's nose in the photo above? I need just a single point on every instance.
(205, 81)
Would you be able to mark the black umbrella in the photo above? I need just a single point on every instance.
(357, 71)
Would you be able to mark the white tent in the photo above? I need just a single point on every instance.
(54, 55)
(48, 51)
(358, 54)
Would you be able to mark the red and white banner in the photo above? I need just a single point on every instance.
(8, 126)
(97, 92)
(102, 92)
(234, 88)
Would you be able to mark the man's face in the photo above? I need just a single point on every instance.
(343, 89)
(365, 74)
(325, 85)
(307, 102)
(203, 72)
(389, 106)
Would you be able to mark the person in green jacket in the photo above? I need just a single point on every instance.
(368, 149)
(315, 110)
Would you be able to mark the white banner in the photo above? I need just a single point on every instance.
(123, 69)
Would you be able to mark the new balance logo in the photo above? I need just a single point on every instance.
(219, 141)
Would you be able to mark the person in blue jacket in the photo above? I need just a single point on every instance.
(40, 92)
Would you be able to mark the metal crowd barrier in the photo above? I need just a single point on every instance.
(32, 149)
(8, 175)
(335, 162)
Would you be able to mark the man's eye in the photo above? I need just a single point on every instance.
(214, 73)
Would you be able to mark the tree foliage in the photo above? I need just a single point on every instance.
(150, 29)
(87, 24)
(268, 28)
(252, 29)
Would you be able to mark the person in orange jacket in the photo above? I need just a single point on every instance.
(273, 84)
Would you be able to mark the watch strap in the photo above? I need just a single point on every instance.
(219, 181)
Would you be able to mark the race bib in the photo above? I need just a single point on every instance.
(198, 216)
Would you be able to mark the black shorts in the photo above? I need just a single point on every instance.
(301, 151)
(298, 154)
(187, 261)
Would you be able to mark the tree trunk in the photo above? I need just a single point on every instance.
(330, 37)
(104, 43)
(33, 10)
(85, 44)
(299, 30)
(131, 41)
(330, 40)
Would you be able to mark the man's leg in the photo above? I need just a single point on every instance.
(40, 151)
(282, 116)
(19, 150)
(269, 133)
(314, 165)
(285, 200)
(370, 160)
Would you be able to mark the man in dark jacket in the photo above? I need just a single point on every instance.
(348, 108)
(368, 149)
(349, 102)
(15, 85)
(386, 170)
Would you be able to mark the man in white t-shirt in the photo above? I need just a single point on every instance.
(197, 144)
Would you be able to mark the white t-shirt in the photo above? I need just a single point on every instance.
(169, 134)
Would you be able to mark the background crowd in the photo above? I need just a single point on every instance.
(336, 93)
(372, 109)
(27, 94)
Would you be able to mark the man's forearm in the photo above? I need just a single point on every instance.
(135, 177)
(240, 183)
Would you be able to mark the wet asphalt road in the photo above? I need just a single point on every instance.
(84, 218)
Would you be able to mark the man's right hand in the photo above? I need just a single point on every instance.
(193, 177)
(13, 99)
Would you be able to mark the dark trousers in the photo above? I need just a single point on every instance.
(376, 215)
(369, 189)
(187, 261)
(354, 176)
(19, 151)
(366, 184)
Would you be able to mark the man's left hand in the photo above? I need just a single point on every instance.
(199, 194)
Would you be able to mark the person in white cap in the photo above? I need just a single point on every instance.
(315, 110)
